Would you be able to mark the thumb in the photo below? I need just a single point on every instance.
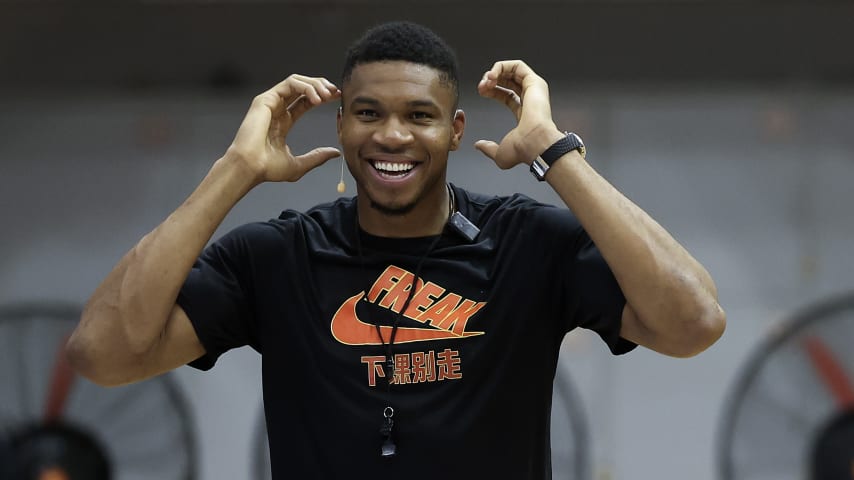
(488, 148)
(313, 159)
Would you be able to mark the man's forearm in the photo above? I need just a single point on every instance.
(127, 313)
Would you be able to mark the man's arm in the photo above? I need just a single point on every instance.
(131, 327)
(671, 300)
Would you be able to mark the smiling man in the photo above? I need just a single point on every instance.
(412, 331)
(397, 125)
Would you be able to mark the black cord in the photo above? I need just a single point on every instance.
(390, 345)
(389, 449)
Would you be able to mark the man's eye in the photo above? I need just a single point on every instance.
(421, 116)
(366, 113)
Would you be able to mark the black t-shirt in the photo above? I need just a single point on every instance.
(475, 352)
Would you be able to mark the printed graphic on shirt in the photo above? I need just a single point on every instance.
(416, 367)
(444, 314)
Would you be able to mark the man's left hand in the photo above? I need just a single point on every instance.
(526, 94)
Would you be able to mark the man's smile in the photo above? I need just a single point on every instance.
(392, 167)
(393, 171)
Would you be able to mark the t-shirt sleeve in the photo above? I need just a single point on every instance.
(218, 295)
(597, 299)
(592, 298)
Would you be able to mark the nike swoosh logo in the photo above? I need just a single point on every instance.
(348, 329)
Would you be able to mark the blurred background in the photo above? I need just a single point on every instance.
(730, 122)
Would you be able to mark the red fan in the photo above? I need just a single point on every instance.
(791, 414)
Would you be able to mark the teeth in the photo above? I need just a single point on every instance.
(393, 167)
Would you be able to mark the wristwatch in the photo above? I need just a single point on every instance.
(541, 164)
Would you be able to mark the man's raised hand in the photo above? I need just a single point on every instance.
(526, 94)
(261, 143)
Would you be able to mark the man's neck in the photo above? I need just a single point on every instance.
(428, 218)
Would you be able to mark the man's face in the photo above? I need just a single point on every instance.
(396, 128)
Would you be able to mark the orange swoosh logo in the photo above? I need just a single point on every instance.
(348, 329)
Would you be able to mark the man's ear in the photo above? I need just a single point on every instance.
(459, 126)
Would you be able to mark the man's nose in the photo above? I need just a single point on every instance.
(393, 133)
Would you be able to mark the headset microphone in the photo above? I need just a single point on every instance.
(341, 186)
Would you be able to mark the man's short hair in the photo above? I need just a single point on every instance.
(408, 42)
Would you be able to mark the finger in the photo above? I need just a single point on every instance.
(516, 75)
(487, 147)
(290, 90)
(257, 121)
(502, 75)
(509, 84)
(500, 153)
(510, 73)
(509, 98)
(313, 159)
(315, 89)
(299, 107)
(302, 105)
(531, 88)
(491, 79)
(325, 89)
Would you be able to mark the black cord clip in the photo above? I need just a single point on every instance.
(389, 449)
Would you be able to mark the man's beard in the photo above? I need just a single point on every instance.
(399, 210)
(393, 211)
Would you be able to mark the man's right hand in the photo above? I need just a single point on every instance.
(260, 143)
(132, 328)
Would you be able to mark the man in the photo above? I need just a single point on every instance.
(412, 331)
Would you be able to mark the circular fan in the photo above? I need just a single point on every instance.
(571, 457)
(791, 414)
(57, 426)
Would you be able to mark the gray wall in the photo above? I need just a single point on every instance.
(755, 182)
(730, 122)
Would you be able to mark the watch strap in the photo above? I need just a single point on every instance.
(571, 141)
